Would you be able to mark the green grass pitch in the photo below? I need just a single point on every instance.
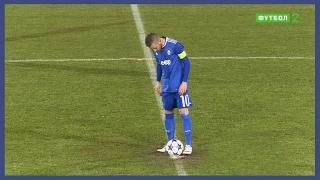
(250, 116)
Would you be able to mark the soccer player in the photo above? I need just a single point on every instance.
(173, 67)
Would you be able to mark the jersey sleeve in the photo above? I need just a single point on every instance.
(158, 68)
(179, 50)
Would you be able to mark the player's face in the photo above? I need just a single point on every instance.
(156, 45)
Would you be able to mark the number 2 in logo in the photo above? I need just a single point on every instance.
(185, 101)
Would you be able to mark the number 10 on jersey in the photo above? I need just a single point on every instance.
(185, 100)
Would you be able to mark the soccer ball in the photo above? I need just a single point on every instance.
(174, 147)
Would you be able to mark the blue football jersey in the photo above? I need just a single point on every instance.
(170, 59)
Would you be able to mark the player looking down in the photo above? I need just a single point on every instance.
(173, 68)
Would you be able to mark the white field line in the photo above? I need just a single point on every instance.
(151, 67)
(252, 57)
(67, 59)
(150, 58)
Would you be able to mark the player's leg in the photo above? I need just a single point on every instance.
(169, 121)
(187, 128)
(170, 127)
(184, 103)
(170, 124)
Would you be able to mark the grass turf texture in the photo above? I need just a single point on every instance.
(250, 117)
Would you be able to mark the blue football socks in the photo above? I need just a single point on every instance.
(170, 126)
(187, 127)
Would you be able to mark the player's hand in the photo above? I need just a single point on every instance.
(157, 88)
(183, 88)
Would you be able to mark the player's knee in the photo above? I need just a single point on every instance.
(166, 111)
(184, 111)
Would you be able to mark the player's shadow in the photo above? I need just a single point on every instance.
(65, 30)
(83, 70)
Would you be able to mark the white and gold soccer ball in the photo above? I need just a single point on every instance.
(174, 147)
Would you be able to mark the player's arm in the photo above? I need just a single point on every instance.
(186, 69)
(158, 82)
(179, 50)
(159, 72)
